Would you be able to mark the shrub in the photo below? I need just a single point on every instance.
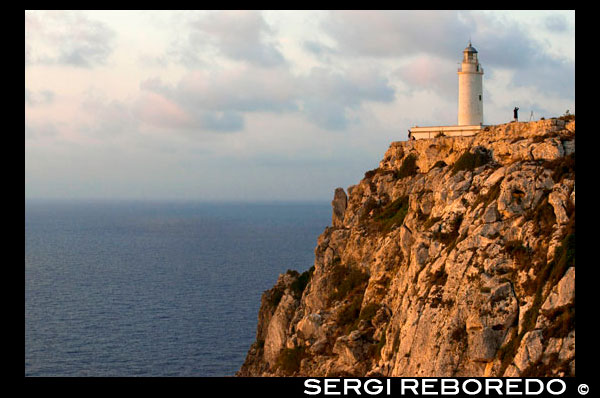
(353, 281)
(431, 222)
(549, 273)
(561, 167)
(563, 322)
(408, 168)
(492, 194)
(470, 161)
(542, 215)
(289, 360)
(348, 317)
(368, 312)
(273, 296)
(520, 253)
(369, 205)
(396, 343)
(393, 214)
(371, 173)
(380, 344)
(422, 216)
(299, 284)
(564, 258)
(567, 116)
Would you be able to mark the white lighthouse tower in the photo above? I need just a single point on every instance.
(470, 103)
(470, 89)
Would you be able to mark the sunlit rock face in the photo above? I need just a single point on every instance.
(455, 257)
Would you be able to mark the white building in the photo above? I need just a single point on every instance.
(470, 102)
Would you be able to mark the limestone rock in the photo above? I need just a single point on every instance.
(276, 337)
(563, 293)
(439, 273)
(530, 350)
(309, 327)
(339, 203)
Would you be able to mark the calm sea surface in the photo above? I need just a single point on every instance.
(154, 288)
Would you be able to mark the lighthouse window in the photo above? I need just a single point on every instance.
(478, 70)
(479, 97)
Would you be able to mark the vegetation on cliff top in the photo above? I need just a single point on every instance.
(471, 160)
(408, 168)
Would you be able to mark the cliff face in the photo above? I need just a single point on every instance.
(454, 258)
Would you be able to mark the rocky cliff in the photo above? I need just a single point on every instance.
(455, 257)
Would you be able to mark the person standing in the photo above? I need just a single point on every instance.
(516, 114)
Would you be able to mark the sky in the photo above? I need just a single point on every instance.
(264, 105)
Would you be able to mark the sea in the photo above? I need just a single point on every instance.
(155, 288)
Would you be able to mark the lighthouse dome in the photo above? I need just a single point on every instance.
(470, 49)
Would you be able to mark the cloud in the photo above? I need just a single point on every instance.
(216, 101)
(350, 87)
(508, 45)
(328, 96)
(107, 118)
(326, 114)
(238, 35)
(241, 89)
(556, 23)
(550, 76)
(226, 121)
(397, 33)
(152, 61)
(318, 49)
(219, 99)
(40, 129)
(424, 36)
(251, 99)
(43, 97)
(213, 101)
(66, 38)
(154, 109)
(430, 73)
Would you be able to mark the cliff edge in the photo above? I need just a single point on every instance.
(455, 257)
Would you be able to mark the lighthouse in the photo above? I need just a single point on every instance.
(470, 89)
(470, 103)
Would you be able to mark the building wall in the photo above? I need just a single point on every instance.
(470, 95)
(433, 133)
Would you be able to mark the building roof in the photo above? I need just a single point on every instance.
(416, 129)
(470, 49)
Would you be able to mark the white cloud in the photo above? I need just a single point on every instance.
(220, 98)
(195, 104)
(42, 97)
(397, 33)
(238, 35)
(67, 38)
